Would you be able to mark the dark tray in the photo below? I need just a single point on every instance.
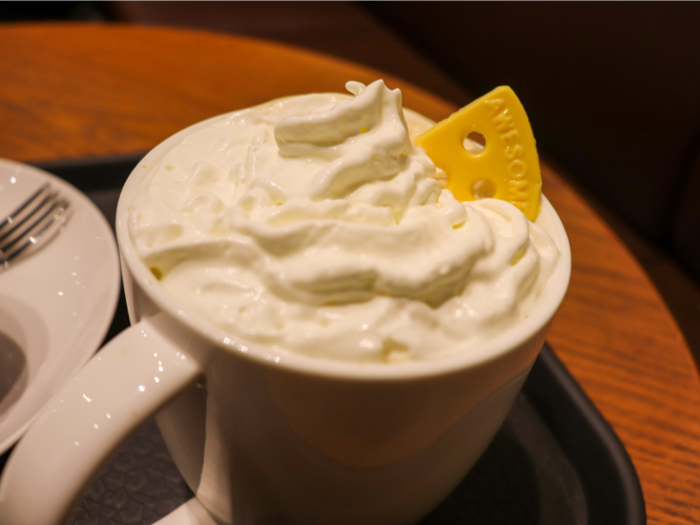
(555, 460)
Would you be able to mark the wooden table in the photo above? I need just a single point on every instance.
(69, 91)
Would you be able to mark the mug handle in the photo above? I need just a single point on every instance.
(122, 386)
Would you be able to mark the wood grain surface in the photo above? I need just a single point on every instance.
(95, 90)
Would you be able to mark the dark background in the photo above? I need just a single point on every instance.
(611, 90)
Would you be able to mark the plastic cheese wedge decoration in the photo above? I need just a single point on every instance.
(506, 167)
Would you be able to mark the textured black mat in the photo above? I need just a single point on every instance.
(140, 485)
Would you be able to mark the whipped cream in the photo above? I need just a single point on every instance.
(313, 225)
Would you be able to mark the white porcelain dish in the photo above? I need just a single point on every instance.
(55, 305)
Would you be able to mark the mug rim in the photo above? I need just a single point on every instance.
(509, 340)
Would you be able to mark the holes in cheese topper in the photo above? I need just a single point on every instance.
(475, 142)
(483, 189)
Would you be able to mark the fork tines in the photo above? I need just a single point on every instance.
(32, 223)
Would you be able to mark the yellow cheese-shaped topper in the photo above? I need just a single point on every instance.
(487, 149)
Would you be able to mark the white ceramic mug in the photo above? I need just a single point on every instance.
(265, 439)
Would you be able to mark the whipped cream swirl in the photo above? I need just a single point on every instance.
(312, 224)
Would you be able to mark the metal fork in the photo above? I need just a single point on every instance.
(32, 224)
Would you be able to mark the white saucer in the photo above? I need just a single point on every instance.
(56, 305)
